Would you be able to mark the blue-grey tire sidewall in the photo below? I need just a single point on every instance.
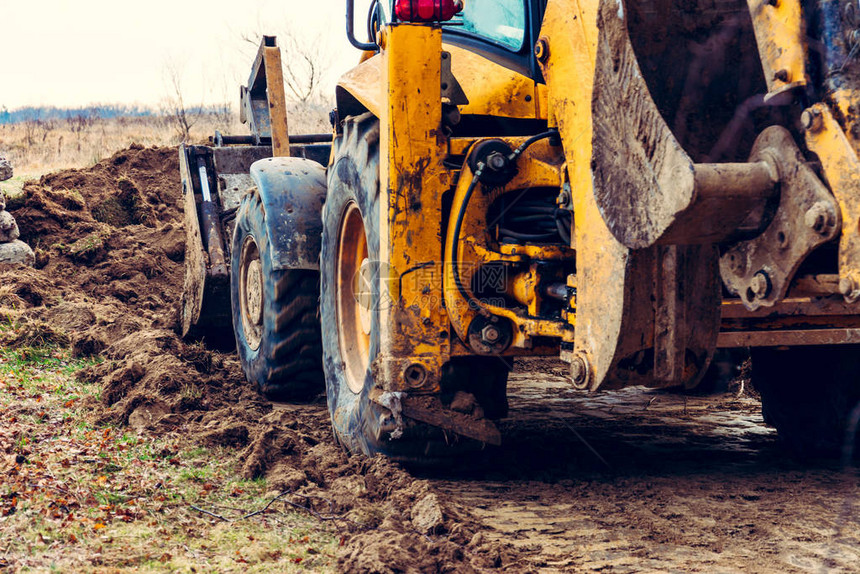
(250, 222)
(354, 417)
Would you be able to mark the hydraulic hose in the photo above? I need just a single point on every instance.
(461, 213)
(458, 225)
(531, 141)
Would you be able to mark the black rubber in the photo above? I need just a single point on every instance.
(288, 363)
(809, 395)
(361, 425)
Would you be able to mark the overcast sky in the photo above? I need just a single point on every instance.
(75, 53)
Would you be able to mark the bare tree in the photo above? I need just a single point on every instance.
(222, 111)
(175, 108)
(304, 64)
(30, 132)
(78, 123)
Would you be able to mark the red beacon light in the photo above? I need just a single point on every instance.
(427, 10)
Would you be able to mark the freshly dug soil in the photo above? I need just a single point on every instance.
(628, 481)
(110, 261)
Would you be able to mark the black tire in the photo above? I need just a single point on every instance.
(810, 394)
(279, 344)
(361, 425)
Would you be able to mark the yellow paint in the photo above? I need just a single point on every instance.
(424, 318)
(846, 103)
(402, 86)
(413, 322)
(780, 36)
(277, 101)
(539, 166)
(842, 169)
(493, 90)
(570, 26)
(361, 85)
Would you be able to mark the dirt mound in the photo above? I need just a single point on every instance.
(105, 276)
(110, 261)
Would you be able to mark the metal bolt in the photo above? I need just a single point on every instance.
(782, 76)
(815, 219)
(849, 288)
(563, 198)
(496, 161)
(811, 120)
(579, 371)
(760, 285)
(819, 217)
(490, 334)
(415, 375)
(542, 50)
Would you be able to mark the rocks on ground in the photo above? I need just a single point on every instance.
(5, 169)
(12, 250)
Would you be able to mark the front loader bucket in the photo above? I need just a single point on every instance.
(213, 182)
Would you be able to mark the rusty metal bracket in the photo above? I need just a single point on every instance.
(760, 270)
(264, 106)
(825, 137)
(780, 35)
(429, 409)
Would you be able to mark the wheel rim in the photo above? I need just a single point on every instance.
(251, 293)
(354, 297)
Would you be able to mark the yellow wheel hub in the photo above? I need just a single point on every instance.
(354, 297)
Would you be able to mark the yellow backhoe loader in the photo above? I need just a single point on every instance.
(625, 185)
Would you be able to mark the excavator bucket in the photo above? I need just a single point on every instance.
(679, 162)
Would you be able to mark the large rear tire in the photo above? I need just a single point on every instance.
(349, 305)
(275, 313)
(810, 395)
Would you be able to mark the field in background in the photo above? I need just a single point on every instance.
(38, 147)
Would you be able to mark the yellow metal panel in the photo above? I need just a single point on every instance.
(493, 90)
(825, 137)
(570, 27)
(414, 326)
(780, 37)
(363, 84)
(846, 102)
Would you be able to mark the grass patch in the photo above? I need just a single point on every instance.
(83, 497)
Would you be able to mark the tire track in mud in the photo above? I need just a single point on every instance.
(640, 480)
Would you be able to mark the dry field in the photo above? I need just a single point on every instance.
(39, 147)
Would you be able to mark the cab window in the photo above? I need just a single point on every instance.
(500, 21)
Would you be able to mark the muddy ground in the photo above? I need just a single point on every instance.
(637, 480)
(625, 481)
